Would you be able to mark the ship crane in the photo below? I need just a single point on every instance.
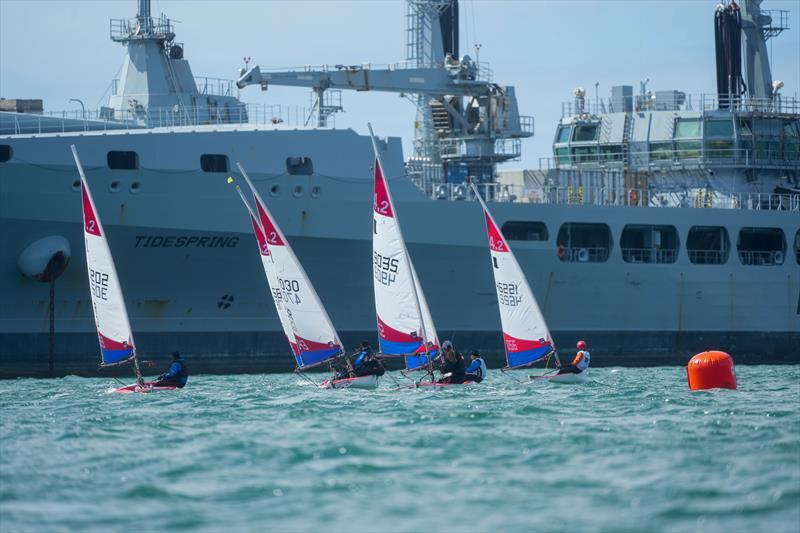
(466, 123)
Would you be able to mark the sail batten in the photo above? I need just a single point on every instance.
(526, 337)
(405, 325)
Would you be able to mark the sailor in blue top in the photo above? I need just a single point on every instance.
(477, 369)
(177, 376)
(366, 364)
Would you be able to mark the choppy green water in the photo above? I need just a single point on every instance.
(636, 451)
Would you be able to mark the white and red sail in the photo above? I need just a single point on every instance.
(525, 332)
(110, 315)
(272, 281)
(304, 318)
(405, 326)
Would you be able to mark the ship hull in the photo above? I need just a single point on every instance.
(193, 282)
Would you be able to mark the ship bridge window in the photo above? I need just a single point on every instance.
(299, 166)
(563, 134)
(708, 245)
(661, 150)
(687, 149)
(584, 154)
(583, 243)
(797, 247)
(761, 246)
(562, 156)
(5, 153)
(687, 128)
(792, 128)
(649, 244)
(119, 160)
(587, 132)
(745, 127)
(719, 128)
(514, 230)
(214, 163)
(612, 152)
(791, 151)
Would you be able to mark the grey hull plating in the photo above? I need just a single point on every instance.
(191, 275)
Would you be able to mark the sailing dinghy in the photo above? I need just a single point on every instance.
(526, 336)
(110, 315)
(405, 325)
(306, 324)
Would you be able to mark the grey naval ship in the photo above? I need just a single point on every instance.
(665, 223)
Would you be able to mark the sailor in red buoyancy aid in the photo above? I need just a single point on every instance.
(581, 361)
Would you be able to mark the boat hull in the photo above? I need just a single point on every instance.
(149, 386)
(361, 382)
(562, 379)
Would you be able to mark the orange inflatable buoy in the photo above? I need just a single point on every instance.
(711, 370)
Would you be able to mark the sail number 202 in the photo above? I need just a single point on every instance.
(98, 283)
(385, 268)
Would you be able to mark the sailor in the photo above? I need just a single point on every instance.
(366, 364)
(580, 362)
(453, 368)
(477, 368)
(177, 376)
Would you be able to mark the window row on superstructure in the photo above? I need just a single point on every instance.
(129, 160)
(661, 136)
(581, 242)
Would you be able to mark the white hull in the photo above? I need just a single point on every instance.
(563, 379)
(361, 382)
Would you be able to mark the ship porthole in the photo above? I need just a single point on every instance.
(114, 187)
(135, 187)
(274, 190)
(76, 185)
(297, 191)
(315, 191)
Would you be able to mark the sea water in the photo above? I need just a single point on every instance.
(633, 450)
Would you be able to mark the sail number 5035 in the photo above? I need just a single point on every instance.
(385, 268)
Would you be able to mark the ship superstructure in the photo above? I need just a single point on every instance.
(663, 225)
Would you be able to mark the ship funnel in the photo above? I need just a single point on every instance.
(728, 41)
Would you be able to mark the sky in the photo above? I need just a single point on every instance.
(59, 49)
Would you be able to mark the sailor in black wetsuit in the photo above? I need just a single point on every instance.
(452, 364)
(177, 375)
(366, 364)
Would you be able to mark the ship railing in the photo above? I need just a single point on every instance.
(136, 28)
(649, 255)
(108, 119)
(697, 198)
(216, 86)
(205, 85)
(676, 158)
(761, 257)
(707, 257)
(583, 254)
(777, 104)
